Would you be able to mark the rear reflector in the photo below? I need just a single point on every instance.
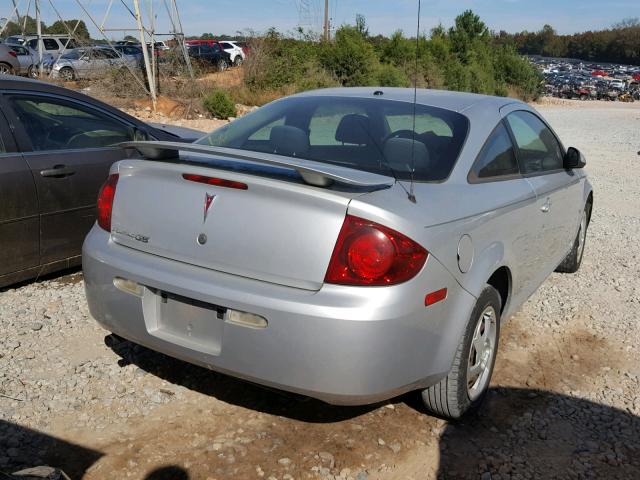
(435, 297)
(217, 182)
(128, 286)
(245, 319)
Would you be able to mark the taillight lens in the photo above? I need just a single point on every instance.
(367, 253)
(105, 201)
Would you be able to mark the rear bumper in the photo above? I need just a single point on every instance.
(343, 345)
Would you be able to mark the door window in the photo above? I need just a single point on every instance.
(497, 158)
(50, 44)
(57, 124)
(20, 50)
(538, 148)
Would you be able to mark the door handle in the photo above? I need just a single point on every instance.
(58, 171)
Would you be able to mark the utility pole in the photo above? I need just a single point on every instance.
(326, 20)
(40, 42)
(15, 8)
(145, 54)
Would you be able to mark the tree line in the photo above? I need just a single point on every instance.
(618, 44)
(60, 27)
(465, 57)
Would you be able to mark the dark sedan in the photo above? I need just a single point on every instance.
(210, 54)
(56, 148)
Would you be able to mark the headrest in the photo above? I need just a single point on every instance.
(397, 153)
(288, 140)
(354, 128)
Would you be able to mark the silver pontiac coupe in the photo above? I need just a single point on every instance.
(345, 244)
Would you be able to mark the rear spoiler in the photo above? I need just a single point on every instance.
(314, 173)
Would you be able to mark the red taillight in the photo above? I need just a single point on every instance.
(218, 182)
(105, 201)
(368, 253)
(13, 54)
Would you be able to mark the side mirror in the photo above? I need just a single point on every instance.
(574, 159)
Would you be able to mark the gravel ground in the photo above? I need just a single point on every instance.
(564, 403)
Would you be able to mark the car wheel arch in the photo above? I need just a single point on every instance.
(489, 268)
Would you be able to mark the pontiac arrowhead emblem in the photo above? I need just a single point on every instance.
(208, 201)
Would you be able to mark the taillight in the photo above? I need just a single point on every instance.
(367, 253)
(13, 54)
(105, 201)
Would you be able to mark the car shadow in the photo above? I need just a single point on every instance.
(517, 433)
(22, 447)
(522, 433)
(230, 389)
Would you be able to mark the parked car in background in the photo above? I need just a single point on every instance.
(90, 62)
(54, 45)
(29, 61)
(211, 55)
(236, 53)
(56, 148)
(346, 244)
(161, 46)
(9, 63)
(131, 52)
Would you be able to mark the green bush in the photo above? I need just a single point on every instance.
(351, 59)
(390, 76)
(220, 104)
(465, 57)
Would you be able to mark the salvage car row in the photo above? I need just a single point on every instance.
(63, 58)
(589, 81)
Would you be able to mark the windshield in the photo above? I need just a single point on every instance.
(368, 134)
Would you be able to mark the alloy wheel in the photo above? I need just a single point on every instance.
(481, 353)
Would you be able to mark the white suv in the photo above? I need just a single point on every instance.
(54, 45)
(236, 51)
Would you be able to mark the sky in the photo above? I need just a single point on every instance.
(383, 16)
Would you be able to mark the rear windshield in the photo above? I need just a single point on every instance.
(371, 134)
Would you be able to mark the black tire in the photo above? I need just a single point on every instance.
(221, 66)
(67, 74)
(33, 72)
(452, 397)
(6, 69)
(573, 260)
(237, 61)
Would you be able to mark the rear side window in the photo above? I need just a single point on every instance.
(497, 158)
(538, 149)
(57, 124)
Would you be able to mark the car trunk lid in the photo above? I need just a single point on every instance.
(277, 230)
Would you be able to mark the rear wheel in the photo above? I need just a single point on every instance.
(464, 388)
(221, 65)
(573, 260)
(6, 69)
(67, 74)
(237, 61)
(33, 72)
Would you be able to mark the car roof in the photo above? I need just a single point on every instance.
(11, 82)
(449, 100)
